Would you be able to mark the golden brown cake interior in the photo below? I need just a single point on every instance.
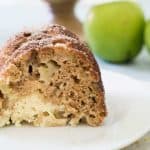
(49, 78)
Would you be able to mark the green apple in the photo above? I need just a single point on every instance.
(115, 30)
(147, 35)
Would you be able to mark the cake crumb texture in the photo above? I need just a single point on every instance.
(49, 78)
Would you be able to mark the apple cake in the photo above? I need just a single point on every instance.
(49, 78)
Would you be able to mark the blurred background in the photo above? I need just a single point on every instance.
(18, 15)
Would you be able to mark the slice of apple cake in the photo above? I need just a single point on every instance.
(49, 78)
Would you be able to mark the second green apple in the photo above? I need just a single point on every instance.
(114, 30)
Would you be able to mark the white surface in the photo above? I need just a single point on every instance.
(128, 105)
(18, 15)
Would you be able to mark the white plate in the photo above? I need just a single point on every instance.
(128, 104)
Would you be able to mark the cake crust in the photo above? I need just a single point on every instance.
(60, 70)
